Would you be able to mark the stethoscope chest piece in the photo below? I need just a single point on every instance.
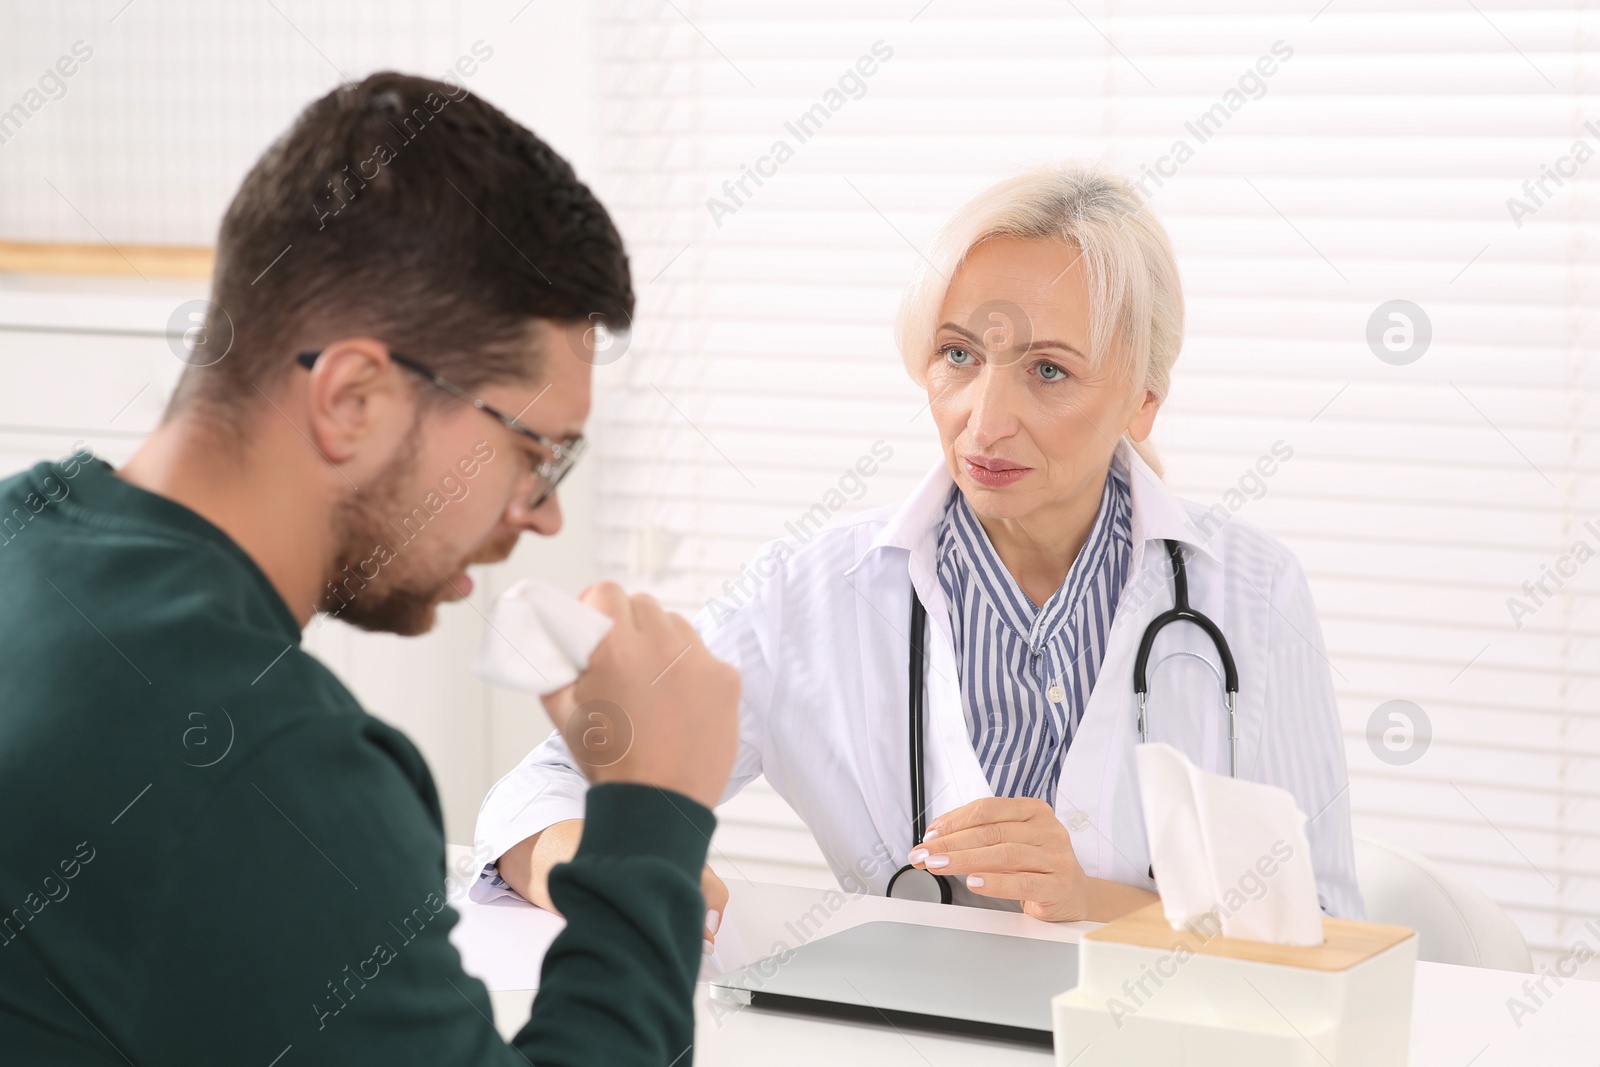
(914, 883)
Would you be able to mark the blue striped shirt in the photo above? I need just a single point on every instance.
(1025, 671)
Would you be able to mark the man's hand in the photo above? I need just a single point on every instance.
(1016, 848)
(654, 707)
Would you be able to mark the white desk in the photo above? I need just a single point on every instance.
(1459, 1015)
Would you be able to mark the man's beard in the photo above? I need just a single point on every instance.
(381, 581)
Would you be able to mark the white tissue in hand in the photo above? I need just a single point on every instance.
(1234, 847)
(539, 639)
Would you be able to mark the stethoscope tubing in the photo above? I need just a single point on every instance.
(1182, 612)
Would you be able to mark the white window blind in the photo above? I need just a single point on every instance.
(1372, 164)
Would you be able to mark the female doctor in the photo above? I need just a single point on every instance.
(1043, 324)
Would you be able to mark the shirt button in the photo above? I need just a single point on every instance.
(1079, 821)
(1055, 694)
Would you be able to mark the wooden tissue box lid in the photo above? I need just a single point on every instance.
(1346, 943)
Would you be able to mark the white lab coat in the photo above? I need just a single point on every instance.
(821, 647)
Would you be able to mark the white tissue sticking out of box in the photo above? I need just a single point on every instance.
(539, 639)
(1227, 851)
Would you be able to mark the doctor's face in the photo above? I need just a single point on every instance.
(1025, 421)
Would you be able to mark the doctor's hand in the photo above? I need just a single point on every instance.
(1015, 848)
(654, 707)
(715, 890)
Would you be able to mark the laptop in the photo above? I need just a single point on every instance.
(918, 977)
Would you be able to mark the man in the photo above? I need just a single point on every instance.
(211, 853)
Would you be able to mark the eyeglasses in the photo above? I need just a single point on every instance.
(563, 454)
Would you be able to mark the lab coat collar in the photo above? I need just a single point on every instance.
(914, 525)
(1158, 514)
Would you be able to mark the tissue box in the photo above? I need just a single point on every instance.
(1147, 994)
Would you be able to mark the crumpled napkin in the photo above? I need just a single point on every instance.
(539, 639)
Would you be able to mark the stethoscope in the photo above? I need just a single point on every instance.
(915, 883)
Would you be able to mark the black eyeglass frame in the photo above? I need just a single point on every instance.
(550, 472)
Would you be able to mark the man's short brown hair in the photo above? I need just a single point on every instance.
(408, 210)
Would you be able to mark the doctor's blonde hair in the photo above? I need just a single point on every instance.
(1135, 297)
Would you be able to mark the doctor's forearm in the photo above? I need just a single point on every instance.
(526, 865)
(1108, 900)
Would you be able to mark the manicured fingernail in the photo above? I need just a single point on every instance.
(940, 860)
(713, 920)
(930, 835)
(707, 948)
(917, 855)
(974, 881)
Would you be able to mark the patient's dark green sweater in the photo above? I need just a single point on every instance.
(210, 854)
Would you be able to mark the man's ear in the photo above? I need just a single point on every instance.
(1144, 417)
(357, 400)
